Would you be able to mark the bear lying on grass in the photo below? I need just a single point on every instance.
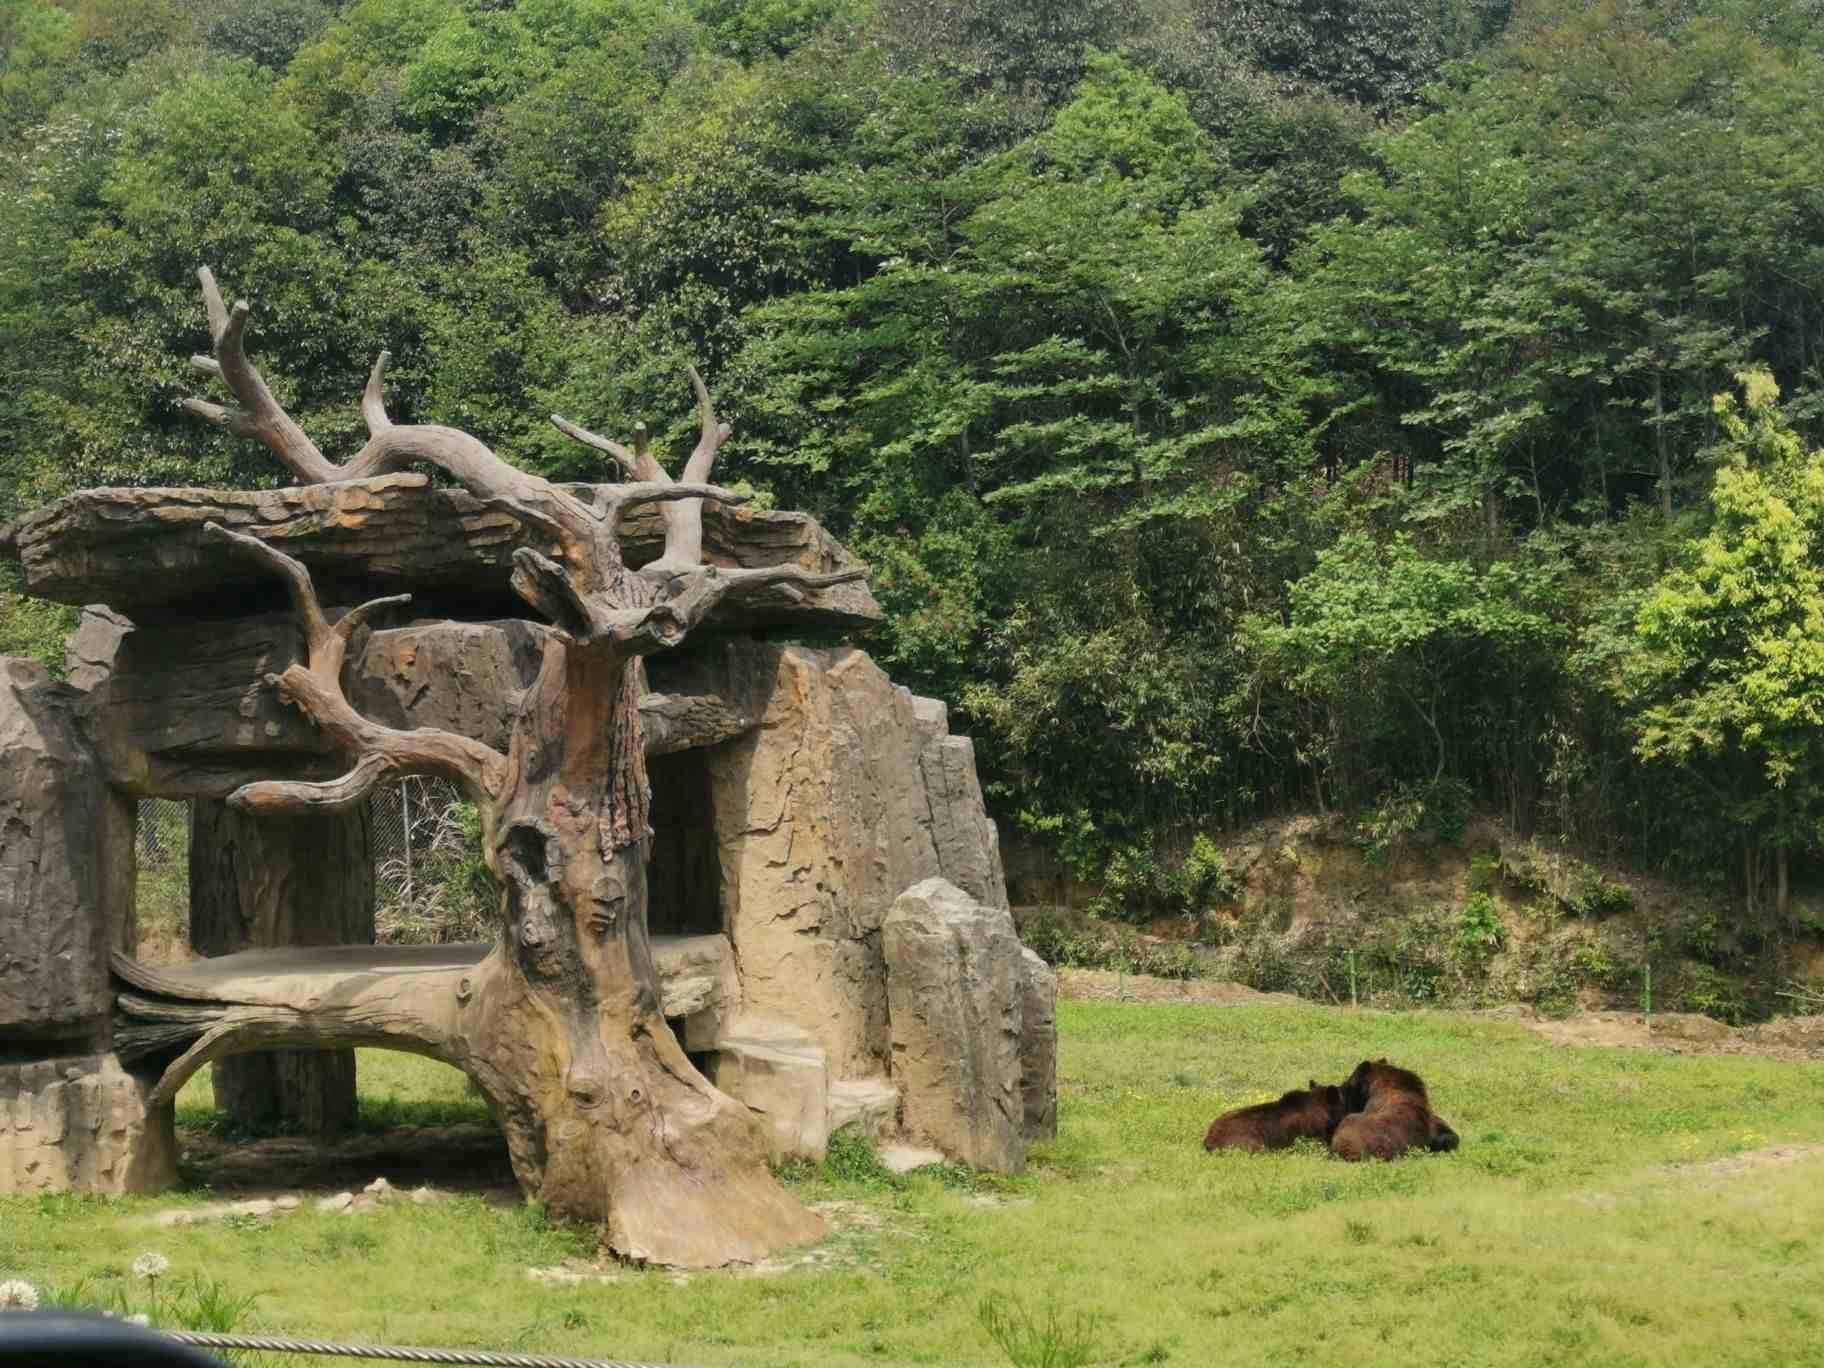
(1302, 1114)
(1388, 1113)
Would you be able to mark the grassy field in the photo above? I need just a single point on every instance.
(1608, 1207)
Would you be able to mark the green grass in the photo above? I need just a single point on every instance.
(396, 1090)
(1581, 1223)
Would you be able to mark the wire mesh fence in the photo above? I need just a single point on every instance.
(164, 834)
(429, 883)
(409, 816)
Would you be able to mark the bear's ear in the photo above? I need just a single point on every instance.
(1314, 1085)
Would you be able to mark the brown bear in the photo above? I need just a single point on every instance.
(1302, 1114)
(1388, 1114)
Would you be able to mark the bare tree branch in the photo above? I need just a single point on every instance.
(691, 595)
(629, 461)
(259, 415)
(373, 398)
(714, 433)
(298, 795)
(684, 522)
(316, 688)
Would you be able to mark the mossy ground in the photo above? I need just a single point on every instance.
(1608, 1207)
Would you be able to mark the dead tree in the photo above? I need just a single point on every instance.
(561, 1025)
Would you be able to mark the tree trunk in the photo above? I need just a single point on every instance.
(259, 882)
(605, 1117)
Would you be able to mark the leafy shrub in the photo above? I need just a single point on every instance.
(1388, 825)
(1138, 885)
(1589, 959)
(1484, 874)
(33, 628)
(1701, 937)
(1707, 991)
(1479, 935)
(850, 1158)
(1596, 897)
(1056, 941)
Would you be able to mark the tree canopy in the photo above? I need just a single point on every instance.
(1243, 403)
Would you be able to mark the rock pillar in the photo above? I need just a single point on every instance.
(849, 791)
(1038, 1046)
(956, 990)
(266, 883)
(64, 838)
(70, 1115)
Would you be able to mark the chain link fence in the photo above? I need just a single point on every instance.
(429, 883)
(164, 836)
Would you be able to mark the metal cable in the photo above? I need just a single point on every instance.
(392, 1353)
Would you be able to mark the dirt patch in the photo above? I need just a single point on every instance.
(1106, 985)
(1734, 1165)
(1792, 1038)
(850, 1226)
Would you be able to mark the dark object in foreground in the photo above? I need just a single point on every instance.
(63, 1339)
(1389, 1113)
(1302, 1114)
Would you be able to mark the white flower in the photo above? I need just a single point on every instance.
(151, 1266)
(16, 1294)
(139, 1318)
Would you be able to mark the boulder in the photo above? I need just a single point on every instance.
(1038, 1046)
(956, 991)
(66, 866)
(81, 1124)
(88, 654)
(824, 813)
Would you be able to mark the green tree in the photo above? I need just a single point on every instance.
(1725, 670)
(1404, 653)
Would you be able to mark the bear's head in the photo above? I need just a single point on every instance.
(1442, 1138)
(1373, 1076)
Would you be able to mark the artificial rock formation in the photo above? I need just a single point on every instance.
(1038, 1046)
(82, 1122)
(956, 990)
(699, 832)
(66, 872)
(824, 814)
(70, 1116)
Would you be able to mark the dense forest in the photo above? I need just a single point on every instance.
(1399, 408)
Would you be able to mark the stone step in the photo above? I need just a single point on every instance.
(779, 1070)
(905, 1158)
(871, 1105)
